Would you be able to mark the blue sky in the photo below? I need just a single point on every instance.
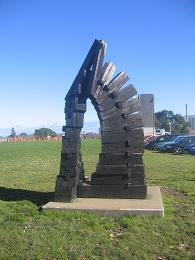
(43, 44)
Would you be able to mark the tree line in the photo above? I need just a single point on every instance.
(41, 132)
(165, 118)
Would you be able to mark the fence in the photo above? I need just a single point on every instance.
(30, 139)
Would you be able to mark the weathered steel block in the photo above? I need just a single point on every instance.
(76, 119)
(106, 75)
(122, 108)
(122, 148)
(120, 158)
(135, 169)
(115, 85)
(70, 161)
(135, 135)
(112, 191)
(122, 122)
(109, 179)
(64, 190)
(123, 95)
(137, 179)
(72, 133)
(68, 171)
(70, 146)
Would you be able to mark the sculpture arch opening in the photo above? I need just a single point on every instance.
(120, 170)
(91, 120)
(90, 139)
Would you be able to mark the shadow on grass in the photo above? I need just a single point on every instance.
(37, 197)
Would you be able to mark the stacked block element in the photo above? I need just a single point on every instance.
(120, 171)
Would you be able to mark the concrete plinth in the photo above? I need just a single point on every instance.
(150, 206)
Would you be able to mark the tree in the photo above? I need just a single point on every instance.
(44, 132)
(165, 118)
(23, 134)
(13, 132)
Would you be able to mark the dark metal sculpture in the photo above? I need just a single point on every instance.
(120, 171)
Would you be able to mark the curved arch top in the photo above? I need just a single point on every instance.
(120, 171)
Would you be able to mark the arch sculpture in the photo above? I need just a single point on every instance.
(120, 171)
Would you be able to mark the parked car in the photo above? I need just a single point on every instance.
(151, 143)
(177, 145)
(159, 146)
(149, 138)
(189, 148)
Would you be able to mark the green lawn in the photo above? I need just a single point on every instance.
(28, 173)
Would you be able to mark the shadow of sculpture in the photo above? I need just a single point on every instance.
(36, 197)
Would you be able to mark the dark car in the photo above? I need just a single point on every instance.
(189, 148)
(159, 146)
(177, 146)
(152, 143)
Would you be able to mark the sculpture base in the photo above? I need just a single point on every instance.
(150, 206)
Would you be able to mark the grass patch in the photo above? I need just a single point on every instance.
(28, 173)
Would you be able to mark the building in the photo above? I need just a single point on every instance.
(191, 120)
(147, 103)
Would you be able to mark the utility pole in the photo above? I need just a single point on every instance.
(186, 112)
(170, 129)
(153, 112)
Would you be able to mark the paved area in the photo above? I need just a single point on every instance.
(150, 206)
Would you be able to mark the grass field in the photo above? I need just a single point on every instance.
(28, 172)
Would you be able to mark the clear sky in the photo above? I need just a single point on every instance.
(43, 43)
